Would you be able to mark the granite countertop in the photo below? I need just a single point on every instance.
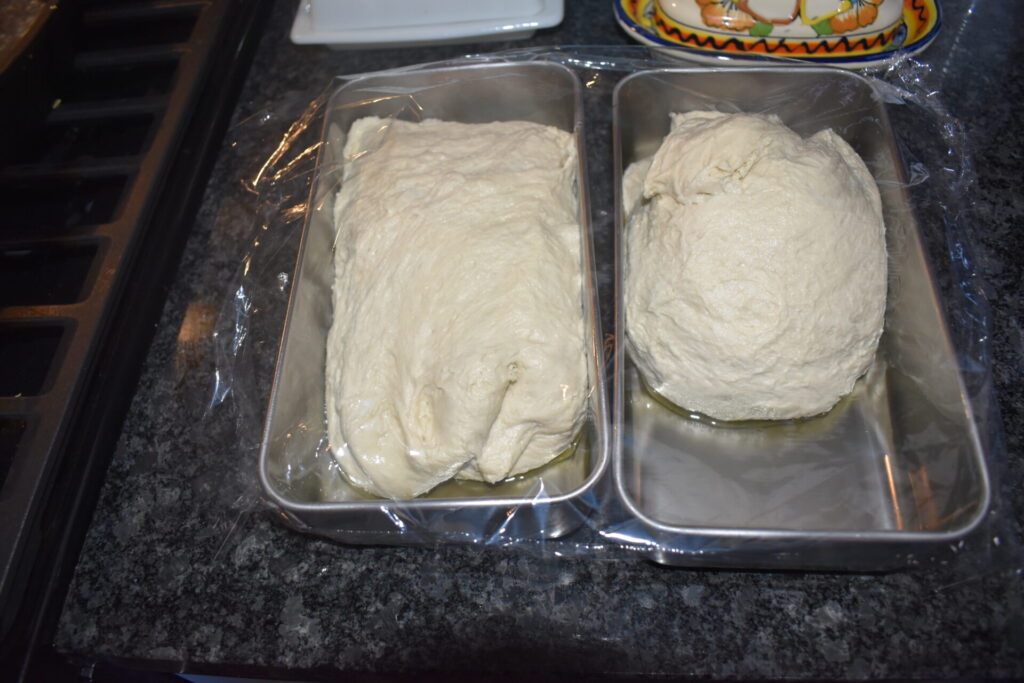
(182, 569)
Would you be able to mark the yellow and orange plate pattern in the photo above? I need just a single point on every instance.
(647, 23)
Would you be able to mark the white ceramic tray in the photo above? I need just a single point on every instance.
(388, 23)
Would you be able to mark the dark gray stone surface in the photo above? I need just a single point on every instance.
(183, 567)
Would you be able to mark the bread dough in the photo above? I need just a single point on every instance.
(755, 267)
(457, 345)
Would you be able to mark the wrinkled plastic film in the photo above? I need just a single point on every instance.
(311, 486)
(644, 493)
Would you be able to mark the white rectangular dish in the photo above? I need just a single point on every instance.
(391, 23)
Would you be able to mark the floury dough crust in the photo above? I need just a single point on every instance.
(457, 347)
(756, 267)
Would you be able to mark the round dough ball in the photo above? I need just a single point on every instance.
(756, 267)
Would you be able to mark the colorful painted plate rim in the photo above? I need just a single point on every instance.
(911, 47)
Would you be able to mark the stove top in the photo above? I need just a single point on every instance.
(120, 110)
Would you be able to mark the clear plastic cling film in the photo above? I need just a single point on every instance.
(902, 472)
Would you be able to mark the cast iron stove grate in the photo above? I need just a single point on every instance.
(95, 203)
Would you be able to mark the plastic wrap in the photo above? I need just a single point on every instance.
(898, 474)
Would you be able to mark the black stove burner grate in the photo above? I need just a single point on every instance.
(95, 203)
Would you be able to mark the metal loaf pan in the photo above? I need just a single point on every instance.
(296, 470)
(893, 474)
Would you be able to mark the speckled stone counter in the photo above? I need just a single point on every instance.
(182, 570)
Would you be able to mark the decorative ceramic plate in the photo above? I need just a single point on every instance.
(851, 33)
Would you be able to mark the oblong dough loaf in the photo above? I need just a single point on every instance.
(457, 346)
